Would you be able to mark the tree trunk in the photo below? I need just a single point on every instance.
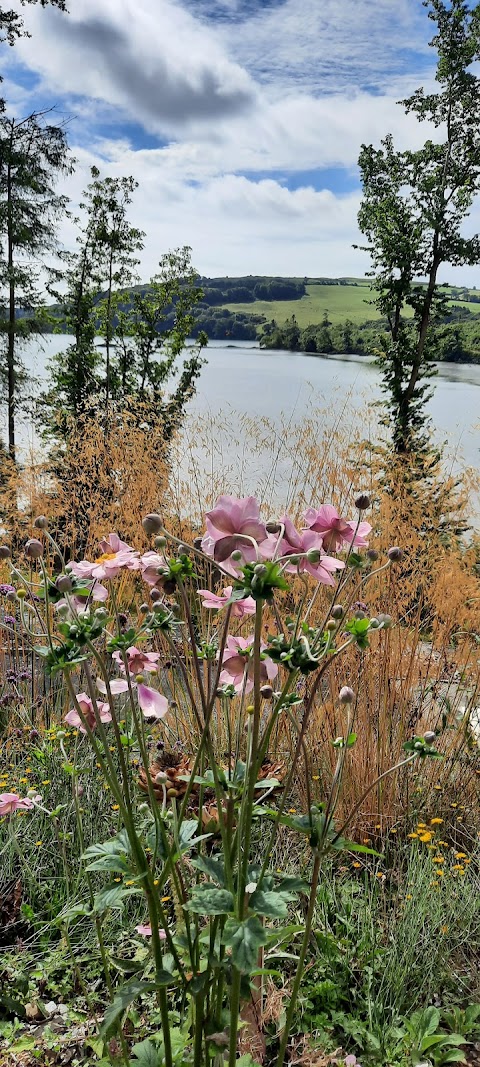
(11, 322)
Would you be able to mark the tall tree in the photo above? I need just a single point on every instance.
(33, 155)
(413, 213)
(115, 243)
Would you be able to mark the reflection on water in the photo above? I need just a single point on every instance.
(246, 379)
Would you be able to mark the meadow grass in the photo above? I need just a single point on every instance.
(341, 302)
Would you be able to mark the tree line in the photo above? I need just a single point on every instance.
(455, 340)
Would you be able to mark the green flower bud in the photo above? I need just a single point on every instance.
(152, 523)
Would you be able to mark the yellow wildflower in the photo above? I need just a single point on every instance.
(460, 855)
(436, 822)
(426, 837)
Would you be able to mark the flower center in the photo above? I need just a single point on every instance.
(106, 556)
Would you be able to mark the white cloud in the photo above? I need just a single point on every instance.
(284, 90)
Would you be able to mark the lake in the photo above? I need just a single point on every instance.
(243, 379)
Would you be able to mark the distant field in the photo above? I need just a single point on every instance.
(340, 301)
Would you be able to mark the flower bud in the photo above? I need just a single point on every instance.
(144, 609)
(294, 559)
(360, 614)
(155, 595)
(160, 778)
(64, 584)
(331, 625)
(237, 555)
(260, 570)
(61, 734)
(273, 527)
(139, 678)
(152, 523)
(346, 695)
(4, 552)
(337, 611)
(160, 541)
(266, 692)
(314, 555)
(41, 522)
(11, 595)
(21, 594)
(362, 502)
(372, 555)
(101, 614)
(33, 548)
(429, 737)
(395, 554)
(250, 710)
(374, 624)
(385, 620)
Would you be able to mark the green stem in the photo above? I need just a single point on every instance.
(301, 960)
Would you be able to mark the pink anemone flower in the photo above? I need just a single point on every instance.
(237, 663)
(335, 531)
(138, 661)
(295, 542)
(115, 555)
(232, 525)
(86, 705)
(150, 563)
(10, 802)
(213, 602)
(145, 930)
(151, 703)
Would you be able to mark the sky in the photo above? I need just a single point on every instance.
(241, 120)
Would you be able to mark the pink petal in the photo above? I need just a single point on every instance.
(152, 703)
(117, 685)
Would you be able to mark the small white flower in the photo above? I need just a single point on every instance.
(250, 888)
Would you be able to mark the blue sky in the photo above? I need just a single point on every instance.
(240, 119)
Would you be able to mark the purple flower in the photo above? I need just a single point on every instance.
(5, 589)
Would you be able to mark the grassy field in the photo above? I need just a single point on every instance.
(340, 301)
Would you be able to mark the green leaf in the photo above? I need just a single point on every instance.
(126, 966)
(113, 896)
(123, 998)
(351, 846)
(270, 903)
(206, 900)
(453, 1055)
(114, 862)
(245, 939)
(214, 868)
(146, 1055)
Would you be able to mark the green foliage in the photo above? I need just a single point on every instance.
(33, 156)
(412, 214)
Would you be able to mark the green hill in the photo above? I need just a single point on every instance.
(343, 299)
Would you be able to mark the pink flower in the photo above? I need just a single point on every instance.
(295, 542)
(115, 555)
(335, 531)
(238, 659)
(152, 703)
(10, 802)
(230, 524)
(240, 608)
(149, 564)
(145, 930)
(73, 718)
(137, 661)
(80, 602)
